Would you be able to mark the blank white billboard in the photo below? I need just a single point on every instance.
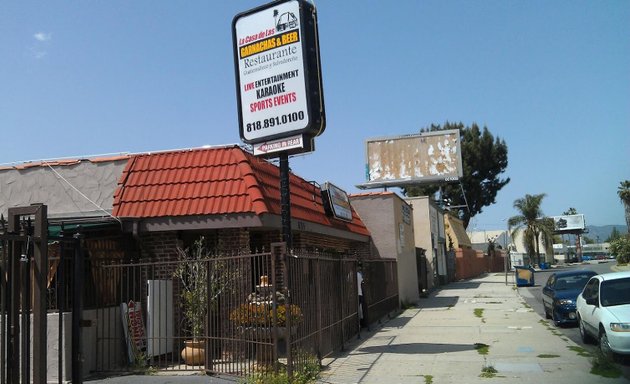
(426, 158)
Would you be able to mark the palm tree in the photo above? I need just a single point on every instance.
(535, 227)
(624, 194)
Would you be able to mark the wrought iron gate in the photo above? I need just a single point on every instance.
(23, 272)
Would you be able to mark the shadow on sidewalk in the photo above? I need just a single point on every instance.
(438, 302)
(466, 284)
(415, 348)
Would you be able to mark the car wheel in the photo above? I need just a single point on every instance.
(586, 338)
(547, 315)
(604, 345)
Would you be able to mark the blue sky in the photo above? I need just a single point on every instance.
(551, 78)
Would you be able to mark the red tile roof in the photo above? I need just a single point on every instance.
(215, 181)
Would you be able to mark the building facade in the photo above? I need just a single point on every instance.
(428, 219)
(389, 218)
(149, 207)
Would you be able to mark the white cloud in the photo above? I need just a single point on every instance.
(38, 54)
(39, 48)
(41, 36)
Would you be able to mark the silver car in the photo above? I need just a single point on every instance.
(603, 310)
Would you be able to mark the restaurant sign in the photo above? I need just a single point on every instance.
(278, 76)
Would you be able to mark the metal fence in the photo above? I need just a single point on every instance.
(380, 288)
(258, 311)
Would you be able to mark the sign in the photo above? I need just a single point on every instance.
(293, 144)
(426, 158)
(278, 76)
(133, 329)
(406, 213)
(337, 202)
(569, 223)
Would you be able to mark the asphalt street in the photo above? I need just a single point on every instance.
(533, 297)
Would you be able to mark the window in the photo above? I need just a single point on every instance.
(615, 292)
(592, 289)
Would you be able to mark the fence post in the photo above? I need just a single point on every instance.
(3, 290)
(367, 293)
(287, 310)
(60, 304)
(13, 303)
(40, 319)
(342, 309)
(318, 299)
(77, 309)
(278, 254)
(25, 266)
(209, 341)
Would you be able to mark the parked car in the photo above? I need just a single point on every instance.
(560, 293)
(603, 310)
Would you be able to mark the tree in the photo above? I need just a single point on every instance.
(624, 194)
(570, 211)
(535, 227)
(484, 159)
(204, 277)
(614, 235)
(620, 248)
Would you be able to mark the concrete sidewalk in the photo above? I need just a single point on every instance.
(435, 343)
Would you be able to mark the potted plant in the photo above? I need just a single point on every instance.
(254, 320)
(257, 318)
(203, 277)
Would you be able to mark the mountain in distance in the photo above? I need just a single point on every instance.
(603, 231)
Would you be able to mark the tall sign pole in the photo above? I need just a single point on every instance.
(279, 85)
(285, 200)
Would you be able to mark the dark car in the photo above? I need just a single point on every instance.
(560, 293)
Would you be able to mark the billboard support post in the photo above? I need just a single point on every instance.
(285, 199)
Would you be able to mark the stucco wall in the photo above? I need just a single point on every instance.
(405, 246)
(59, 187)
(392, 235)
(422, 234)
(377, 214)
(428, 223)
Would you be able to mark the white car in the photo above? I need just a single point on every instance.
(603, 310)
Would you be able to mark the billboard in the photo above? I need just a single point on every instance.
(569, 223)
(278, 76)
(425, 158)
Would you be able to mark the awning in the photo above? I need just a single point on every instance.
(54, 230)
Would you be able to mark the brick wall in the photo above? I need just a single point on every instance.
(471, 263)
(157, 247)
(233, 240)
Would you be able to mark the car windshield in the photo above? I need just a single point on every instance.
(571, 282)
(615, 292)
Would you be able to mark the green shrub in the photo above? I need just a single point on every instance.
(261, 315)
(620, 248)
